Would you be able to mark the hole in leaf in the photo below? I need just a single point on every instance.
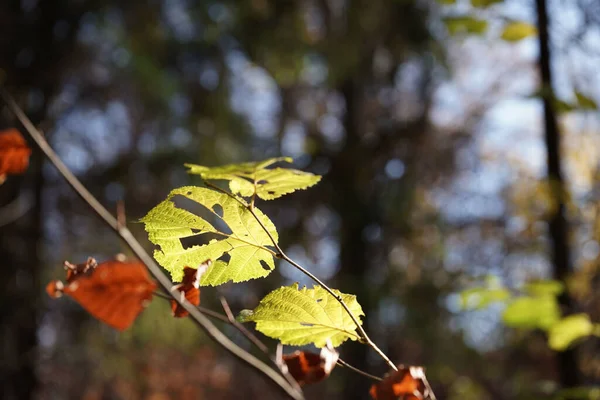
(189, 193)
(319, 300)
(261, 182)
(306, 324)
(203, 212)
(225, 258)
(199, 240)
(271, 192)
(218, 210)
(265, 265)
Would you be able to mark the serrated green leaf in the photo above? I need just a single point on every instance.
(518, 30)
(479, 298)
(252, 178)
(584, 102)
(484, 3)
(542, 288)
(167, 224)
(465, 24)
(302, 316)
(567, 330)
(532, 312)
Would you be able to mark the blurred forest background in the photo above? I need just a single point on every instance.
(431, 124)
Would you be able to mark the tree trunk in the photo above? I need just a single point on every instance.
(558, 227)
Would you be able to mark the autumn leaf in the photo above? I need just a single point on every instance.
(408, 383)
(189, 288)
(307, 367)
(114, 292)
(14, 153)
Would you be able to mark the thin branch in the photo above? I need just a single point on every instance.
(256, 341)
(358, 370)
(241, 327)
(203, 310)
(202, 321)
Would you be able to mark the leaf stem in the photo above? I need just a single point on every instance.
(201, 320)
(363, 334)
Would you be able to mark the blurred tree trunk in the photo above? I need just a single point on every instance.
(33, 57)
(558, 227)
(20, 240)
(347, 177)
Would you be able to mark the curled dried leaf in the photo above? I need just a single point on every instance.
(408, 383)
(307, 367)
(189, 288)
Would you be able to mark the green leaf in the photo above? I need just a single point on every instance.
(518, 30)
(446, 2)
(484, 3)
(252, 178)
(167, 224)
(584, 102)
(302, 316)
(542, 288)
(532, 312)
(465, 24)
(479, 298)
(567, 330)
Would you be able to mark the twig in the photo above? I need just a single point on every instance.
(242, 328)
(201, 320)
(358, 370)
(252, 338)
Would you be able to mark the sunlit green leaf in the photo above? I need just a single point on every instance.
(303, 316)
(479, 298)
(567, 330)
(484, 3)
(248, 179)
(585, 103)
(542, 288)
(244, 240)
(532, 312)
(465, 24)
(518, 30)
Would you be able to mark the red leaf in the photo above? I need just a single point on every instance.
(189, 288)
(408, 383)
(114, 292)
(14, 153)
(308, 367)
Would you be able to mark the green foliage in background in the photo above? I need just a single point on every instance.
(535, 307)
